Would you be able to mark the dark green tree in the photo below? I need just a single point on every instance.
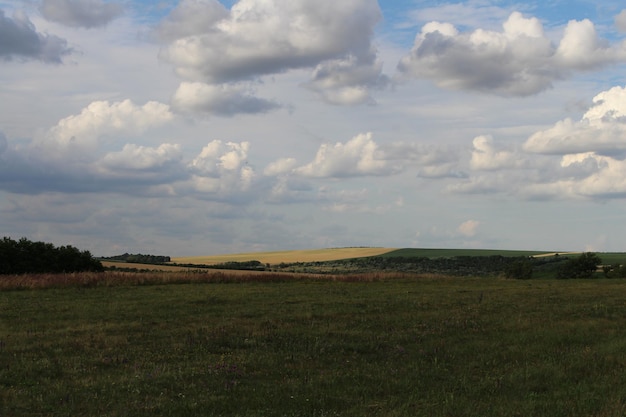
(583, 266)
(519, 269)
(25, 256)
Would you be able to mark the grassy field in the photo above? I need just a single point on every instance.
(308, 347)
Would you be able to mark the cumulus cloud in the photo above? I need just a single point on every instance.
(81, 13)
(357, 157)
(82, 132)
(517, 61)
(145, 163)
(222, 100)
(281, 166)
(602, 129)
(468, 228)
(222, 167)
(210, 44)
(485, 157)
(348, 81)
(19, 39)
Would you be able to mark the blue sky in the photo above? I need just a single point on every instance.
(203, 127)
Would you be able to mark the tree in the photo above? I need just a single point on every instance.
(25, 256)
(519, 269)
(583, 266)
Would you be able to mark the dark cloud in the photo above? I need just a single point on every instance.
(81, 13)
(20, 39)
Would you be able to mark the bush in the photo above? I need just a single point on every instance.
(584, 266)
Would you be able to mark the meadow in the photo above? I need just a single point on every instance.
(182, 344)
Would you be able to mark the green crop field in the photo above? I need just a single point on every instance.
(394, 346)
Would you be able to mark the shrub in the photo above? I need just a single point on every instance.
(582, 267)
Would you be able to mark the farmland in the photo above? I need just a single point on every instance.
(287, 256)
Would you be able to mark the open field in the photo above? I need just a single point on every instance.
(289, 256)
(398, 346)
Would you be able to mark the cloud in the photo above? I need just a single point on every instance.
(357, 157)
(281, 166)
(20, 39)
(518, 61)
(468, 228)
(620, 21)
(269, 37)
(81, 13)
(3, 143)
(160, 164)
(602, 129)
(432, 162)
(348, 81)
(210, 44)
(76, 135)
(222, 168)
(191, 17)
(486, 158)
(222, 100)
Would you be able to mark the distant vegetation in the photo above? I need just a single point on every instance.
(24, 257)
(516, 267)
(461, 262)
(138, 258)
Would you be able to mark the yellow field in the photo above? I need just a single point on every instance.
(289, 256)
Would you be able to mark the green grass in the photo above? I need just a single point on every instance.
(406, 347)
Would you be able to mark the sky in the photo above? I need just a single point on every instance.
(201, 127)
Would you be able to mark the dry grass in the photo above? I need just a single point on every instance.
(116, 278)
(288, 256)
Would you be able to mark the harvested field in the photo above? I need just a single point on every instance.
(316, 255)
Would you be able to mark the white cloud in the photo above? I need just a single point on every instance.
(81, 13)
(21, 40)
(357, 157)
(602, 129)
(222, 100)
(485, 157)
(281, 166)
(518, 61)
(582, 49)
(83, 132)
(222, 168)
(134, 160)
(468, 228)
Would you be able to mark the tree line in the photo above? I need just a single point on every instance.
(27, 257)
(139, 258)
